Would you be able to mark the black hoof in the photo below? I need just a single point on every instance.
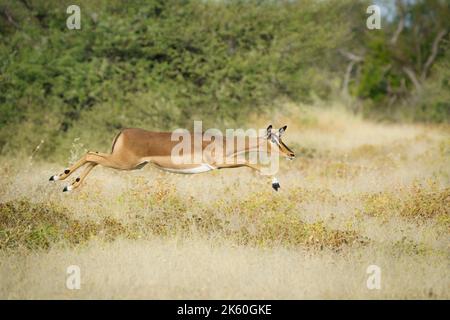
(51, 178)
(276, 186)
(65, 189)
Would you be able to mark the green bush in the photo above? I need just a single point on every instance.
(154, 64)
(162, 64)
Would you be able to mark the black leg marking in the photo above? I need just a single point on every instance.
(66, 171)
(276, 186)
(77, 179)
(141, 165)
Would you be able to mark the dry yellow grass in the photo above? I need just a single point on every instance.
(359, 193)
(201, 269)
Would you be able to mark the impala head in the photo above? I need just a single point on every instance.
(274, 139)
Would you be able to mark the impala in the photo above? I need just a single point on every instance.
(134, 148)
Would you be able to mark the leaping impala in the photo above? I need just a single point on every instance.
(134, 148)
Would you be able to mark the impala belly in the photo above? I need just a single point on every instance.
(199, 169)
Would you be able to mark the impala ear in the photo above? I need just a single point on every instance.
(268, 131)
(282, 130)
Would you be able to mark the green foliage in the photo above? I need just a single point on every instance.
(433, 103)
(154, 64)
(395, 77)
(28, 225)
(162, 64)
(415, 203)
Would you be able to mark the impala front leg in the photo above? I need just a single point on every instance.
(275, 182)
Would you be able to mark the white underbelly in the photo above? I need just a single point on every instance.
(200, 169)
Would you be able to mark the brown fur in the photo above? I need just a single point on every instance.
(132, 148)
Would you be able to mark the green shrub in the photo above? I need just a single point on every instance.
(154, 64)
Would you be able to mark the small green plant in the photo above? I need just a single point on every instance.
(416, 202)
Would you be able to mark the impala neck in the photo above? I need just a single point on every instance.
(251, 145)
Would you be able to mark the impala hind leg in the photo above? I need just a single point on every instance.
(78, 181)
(96, 158)
(88, 157)
(67, 172)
